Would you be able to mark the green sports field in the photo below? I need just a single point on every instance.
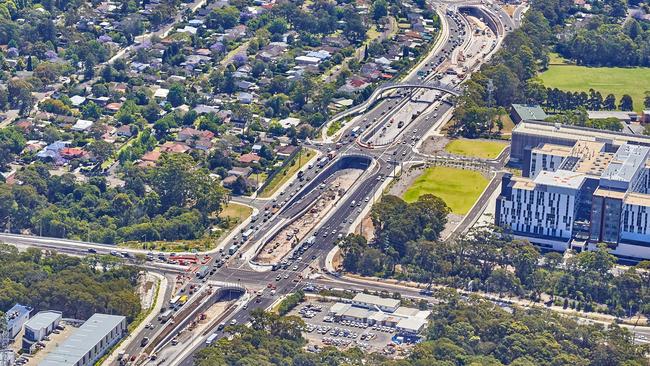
(606, 80)
(457, 187)
(483, 149)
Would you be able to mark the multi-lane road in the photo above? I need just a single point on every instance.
(378, 157)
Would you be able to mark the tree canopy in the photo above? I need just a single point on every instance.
(77, 287)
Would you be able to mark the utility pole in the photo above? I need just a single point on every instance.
(490, 90)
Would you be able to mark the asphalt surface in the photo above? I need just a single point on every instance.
(294, 199)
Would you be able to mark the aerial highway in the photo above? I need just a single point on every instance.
(380, 148)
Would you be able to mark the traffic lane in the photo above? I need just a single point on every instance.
(447, 48)
(134, 347)
(289, 285)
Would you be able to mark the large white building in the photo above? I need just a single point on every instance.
(581, 194)
(373, 310)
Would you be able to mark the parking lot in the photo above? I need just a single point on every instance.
(322, 330)
(44, 347)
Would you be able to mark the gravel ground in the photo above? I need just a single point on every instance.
(434, 145)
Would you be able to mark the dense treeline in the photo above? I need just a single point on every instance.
(487, 259)
(508, 78)
(77, 287)
(511, 76)
(475, 332)
(174, 201)
(290, 302)
(480, 333)
(601, 43)
(397, 226)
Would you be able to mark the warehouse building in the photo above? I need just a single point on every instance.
(40, 326)
(375, 302)
(88, 343)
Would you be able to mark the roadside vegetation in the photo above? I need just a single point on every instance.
(334, 128)
(458, 188)
(290, 302)
(289, 170)
(489, 260)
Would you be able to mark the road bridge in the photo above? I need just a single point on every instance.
(378, 94)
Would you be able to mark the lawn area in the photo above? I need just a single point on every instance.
(287, 172)
(457, 187)
(606, 80)
(236, 211)
(483, 149)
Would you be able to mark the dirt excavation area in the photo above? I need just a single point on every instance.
(147, 287)
(282, 243)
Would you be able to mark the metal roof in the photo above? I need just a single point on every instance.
(376, 300)
(626, 163)
(43, 319)
(527, 112)
(15, 313)
(82, 340)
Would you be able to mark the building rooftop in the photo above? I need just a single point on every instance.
(551, 149)
(575, 133)
(523, 183)
(626, 162)
(560, 178)
(43, 319)
(620, 115)
(16, 312)
(529, 111)
(339, 308)
(82, 340)
(356, 312)
(591, 158)
(608, 193)
(376, 300)
(412, 324)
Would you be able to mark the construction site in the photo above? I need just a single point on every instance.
(288, 237)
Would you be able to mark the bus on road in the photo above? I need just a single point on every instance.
(211, 339)
(174, 301)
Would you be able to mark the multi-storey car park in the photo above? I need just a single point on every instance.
(579, 187)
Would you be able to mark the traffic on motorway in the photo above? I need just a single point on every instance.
(360, 144)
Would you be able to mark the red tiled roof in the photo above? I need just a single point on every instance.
(174, 147)
(71, 152)
(151, 156)
(249, 158)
